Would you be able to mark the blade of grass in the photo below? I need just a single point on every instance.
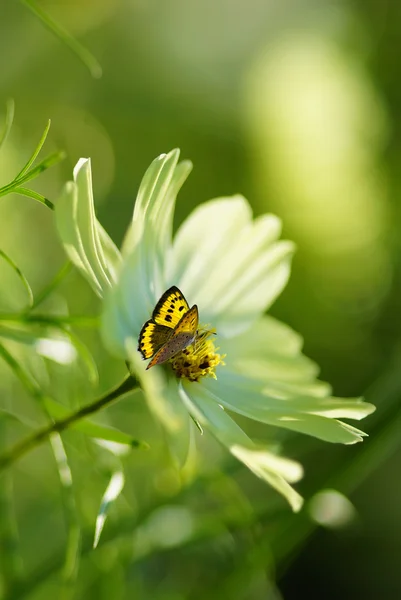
(35, 154)
(20, 276)
(51, 160)
(8, 121)
(76, 47)
(34, 195)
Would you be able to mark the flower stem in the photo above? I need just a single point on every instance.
(128, 384)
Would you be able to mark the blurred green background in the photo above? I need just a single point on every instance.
(296, 105)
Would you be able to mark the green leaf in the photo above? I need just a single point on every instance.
(47, 162)
(112, 492)
(58, 412)
(20, 276)
(35, 154)
(51, 160)
(34, 195)
(80, 51)
(8, 121)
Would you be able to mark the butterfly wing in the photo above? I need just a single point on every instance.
(152, 337)
(170, 308)
(182, 336)
(189, 322)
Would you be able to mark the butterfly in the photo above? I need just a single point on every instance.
(172, 328)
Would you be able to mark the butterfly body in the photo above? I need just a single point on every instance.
(171, 329)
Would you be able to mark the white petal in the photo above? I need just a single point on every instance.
(150, 232)
(203, 241)
(115, 325)
(229, 265)
(88, 223)
(69, 232)
(87, 244)
(146, 249)
(267, 379)
(297, 414)
(267, 336)
(269, 352)
(277, 471)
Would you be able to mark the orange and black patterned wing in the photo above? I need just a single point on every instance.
(183, 335)
(170, 308)
(189, 322)
(152, 337)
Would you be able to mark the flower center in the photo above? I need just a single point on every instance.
(200, 359)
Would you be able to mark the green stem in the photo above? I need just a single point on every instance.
(8, 458)
(20, 275)
(80, 51)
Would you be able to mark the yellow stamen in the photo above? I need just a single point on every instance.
(200, 359)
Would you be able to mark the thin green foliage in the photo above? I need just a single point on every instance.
(29, 172)
(10, 106)
(20, 276)
(34, 156)
(95, 430)
(26, 445)
(62, 34)
(60, 456)
(34, 195)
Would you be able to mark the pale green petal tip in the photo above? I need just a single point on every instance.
(278, 471)
(365, 409)
(83, 164)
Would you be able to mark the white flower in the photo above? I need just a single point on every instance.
(233, 267)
